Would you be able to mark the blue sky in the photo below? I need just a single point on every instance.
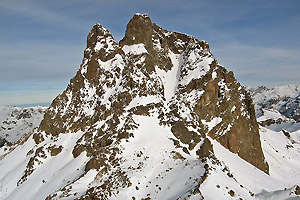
(42, 42)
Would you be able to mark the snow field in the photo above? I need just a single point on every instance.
(160, 166)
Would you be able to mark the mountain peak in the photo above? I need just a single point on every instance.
(162, 66)
(138, 30)
(158, 102)
(101, 44)
(97, 31)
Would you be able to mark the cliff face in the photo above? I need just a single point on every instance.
(154, 101)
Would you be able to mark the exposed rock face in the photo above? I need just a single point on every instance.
(2, 142)
(139, 30)
(164, 85)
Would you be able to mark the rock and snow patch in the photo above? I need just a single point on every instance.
(153, 166)
(211, 124)
(138, 101)
(214, 75)
(170, 78)
(201, 67)
(106, 43)
(282, 152)
(61, 169)
(283, 172)
(286, 194)
(135, 49)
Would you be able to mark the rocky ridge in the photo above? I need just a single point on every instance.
(157, 92)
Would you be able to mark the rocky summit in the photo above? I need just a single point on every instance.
(150, 117)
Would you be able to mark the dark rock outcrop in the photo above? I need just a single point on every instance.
(2, 142)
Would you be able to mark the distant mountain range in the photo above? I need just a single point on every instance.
(31, 105)
(278, 108)
(16, 121)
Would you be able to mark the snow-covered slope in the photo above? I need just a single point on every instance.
(153, 117)
(15, 121)
(277, 111)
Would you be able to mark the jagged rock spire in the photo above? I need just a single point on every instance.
(139, 30)
(101, 42)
